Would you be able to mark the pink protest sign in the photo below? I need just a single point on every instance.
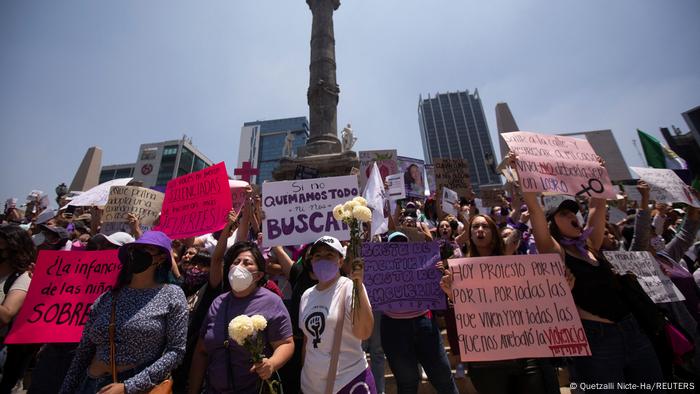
(64, 286)
(196, 203)
(238, 193)
(556, 164)
(509, 307)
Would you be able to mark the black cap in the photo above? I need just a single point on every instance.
(566, 205)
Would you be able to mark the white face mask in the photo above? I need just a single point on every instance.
(240, 278)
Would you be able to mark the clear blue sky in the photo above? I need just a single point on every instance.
(116, 74)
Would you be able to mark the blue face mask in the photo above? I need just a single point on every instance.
(325, 270)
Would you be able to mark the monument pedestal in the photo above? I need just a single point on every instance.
(331, 164)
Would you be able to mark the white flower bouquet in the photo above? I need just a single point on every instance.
(354, 213)
(247, 332)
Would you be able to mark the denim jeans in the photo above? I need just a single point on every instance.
(373, 346)
(620, 353)
(408, 342)
(92, 385)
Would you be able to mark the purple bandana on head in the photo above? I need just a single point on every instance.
(579, 242)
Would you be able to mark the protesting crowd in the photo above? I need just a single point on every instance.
(322, 285)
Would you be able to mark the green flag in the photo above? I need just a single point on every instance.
(653, 151)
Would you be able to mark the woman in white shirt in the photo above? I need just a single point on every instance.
(322, 307)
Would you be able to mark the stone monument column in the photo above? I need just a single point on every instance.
(323, 150)
(323, 91)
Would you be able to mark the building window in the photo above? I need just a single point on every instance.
(186, 160)
(149, 154)
(167, 165)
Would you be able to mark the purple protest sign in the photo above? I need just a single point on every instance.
(402, 277)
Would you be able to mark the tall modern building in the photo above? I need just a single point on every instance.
(159, 162)
(263, 143)
(505, 124)
(453, 125)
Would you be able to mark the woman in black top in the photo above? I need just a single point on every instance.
(620, 351)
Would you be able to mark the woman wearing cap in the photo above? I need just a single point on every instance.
(508, 376)
(151, 325)
(224, 362)
(621, 352)
(319, 314)
(17, 252)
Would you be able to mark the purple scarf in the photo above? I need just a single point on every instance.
(579, 242)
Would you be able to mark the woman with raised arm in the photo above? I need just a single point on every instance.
(620, 351)
(515, 376)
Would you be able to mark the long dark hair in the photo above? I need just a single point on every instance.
(161, 275)
(238, 248)
(498, 247)
(20, 248)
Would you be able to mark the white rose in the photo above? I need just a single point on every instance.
(259, 322)
(362, 214)
(240, 328)
(338, 212)
(360, 201)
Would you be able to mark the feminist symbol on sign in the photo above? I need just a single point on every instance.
(591, 188)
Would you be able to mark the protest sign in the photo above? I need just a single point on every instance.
(397, 188)
(123, 200)
(196, 203)
(98, 195)
(402, 277)
(509, 307)
(449, 198)
(386, 162)
(413, 176)
(491, 196)
(564, 165)
(238, 193)
(616, 215)
(64, 286)
(666, 186)
(655, 283)
(430, 174)
(453, 174)
(300, 211)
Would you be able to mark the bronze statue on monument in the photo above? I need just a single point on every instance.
(323, 150)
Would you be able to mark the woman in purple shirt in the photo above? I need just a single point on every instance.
(225, 363)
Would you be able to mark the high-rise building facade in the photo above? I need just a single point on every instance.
(263, 143)
(159, 162)
(453, 125)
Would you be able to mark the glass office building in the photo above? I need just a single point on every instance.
(453, 125)
(262, 143)
(159, 162)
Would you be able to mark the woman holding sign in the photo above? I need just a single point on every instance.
(621, 352)
(17, 252)
(518, 376)
(150, 326)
